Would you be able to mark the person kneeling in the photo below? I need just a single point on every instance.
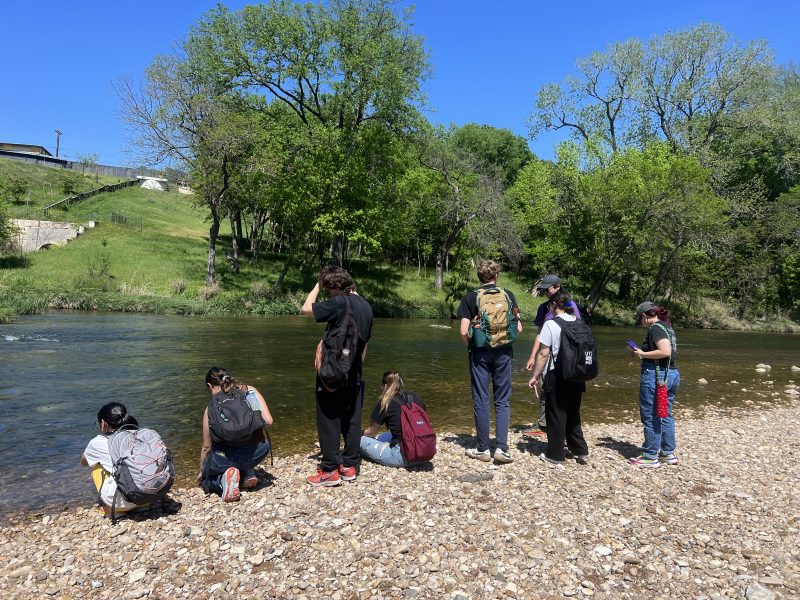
(233, 435)
(388, 447)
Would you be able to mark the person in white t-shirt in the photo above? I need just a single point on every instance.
(98, 457)
(562, 398)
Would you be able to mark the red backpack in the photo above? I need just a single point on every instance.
(419, 439)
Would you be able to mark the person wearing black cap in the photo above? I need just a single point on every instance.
(547, 285)
(657, 353)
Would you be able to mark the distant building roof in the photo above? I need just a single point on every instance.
(27, 148)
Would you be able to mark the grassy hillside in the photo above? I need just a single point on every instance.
(45, 186)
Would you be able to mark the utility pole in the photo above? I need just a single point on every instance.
(58, 139)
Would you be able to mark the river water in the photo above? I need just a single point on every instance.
(59, 369)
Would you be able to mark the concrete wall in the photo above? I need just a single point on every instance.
(35, 235)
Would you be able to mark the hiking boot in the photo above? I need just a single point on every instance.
(502, 457)
(230, 485)
(668, 459)
(347, 473)
(325, 478)
(553, 464)
(582, 459)
(644, 462)
(482, 455)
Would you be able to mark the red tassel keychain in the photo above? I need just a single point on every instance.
(662, 397)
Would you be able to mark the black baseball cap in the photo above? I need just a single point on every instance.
(548, 281)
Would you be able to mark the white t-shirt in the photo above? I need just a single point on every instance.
(97, 453)
(551, 337)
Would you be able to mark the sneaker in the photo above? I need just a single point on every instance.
(582, 459)
(230, 485)
(535, 432)
(482, 455)
(347, 473)
(325, 478)
(668, 459)
(250, 483)
(645, 463)
(502, 457)
(553, 464)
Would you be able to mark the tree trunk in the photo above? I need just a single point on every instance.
(234, 246)
(239, 230)
(625, 286)
(337, 250)
(437, 275)
(213, 232)
(287, 263)
(597, 291)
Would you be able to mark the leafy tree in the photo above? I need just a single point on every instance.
(14, 186)
(7, 229)
(349, 70)
(498, 148)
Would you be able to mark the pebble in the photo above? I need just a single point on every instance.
(459, 531)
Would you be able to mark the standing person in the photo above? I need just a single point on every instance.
(385, 448)
(233, 435)
(562, 398)
(657, 354)
(547, 285)
(339, 410)
(97, 456)
(486, 361)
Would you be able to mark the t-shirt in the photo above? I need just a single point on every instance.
(468, 309)
(97, 453)
(333, 311)
(545, 314)
(551, 337)
(392, 417)
(654, 334)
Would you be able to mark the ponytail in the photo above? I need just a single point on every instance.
(392, 386)
(560, 300)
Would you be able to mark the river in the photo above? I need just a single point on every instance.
(60, 368)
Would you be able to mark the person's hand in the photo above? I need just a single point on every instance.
(534, 380)
(199, 477)
(529, 364)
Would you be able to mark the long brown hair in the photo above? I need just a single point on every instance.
(218, 376)
(392, 386)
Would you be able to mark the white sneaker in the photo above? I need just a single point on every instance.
(484, 456)
(502, 457)
(553, 464)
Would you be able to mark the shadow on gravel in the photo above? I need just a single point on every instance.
(462, 439)
(265, 480)
(534, 445)
(625, 449)
(155, 511)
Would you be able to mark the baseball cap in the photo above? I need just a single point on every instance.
(643, 308)
(548, 281)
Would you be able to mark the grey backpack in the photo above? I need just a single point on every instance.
(143, 467)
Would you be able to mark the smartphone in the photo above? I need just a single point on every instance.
(633, 345)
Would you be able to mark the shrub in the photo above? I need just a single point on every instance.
(207, 292)
(178, 286)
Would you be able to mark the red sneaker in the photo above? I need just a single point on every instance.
(347, 473)
(325, 478)
(230, 485)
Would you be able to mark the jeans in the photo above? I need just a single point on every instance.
(221, 459)
(659, 434)
(494, 363)
(379, 450)
(339, 416)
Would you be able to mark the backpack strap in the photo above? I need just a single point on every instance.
(663, 327)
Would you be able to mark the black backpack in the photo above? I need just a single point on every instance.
(339, 350)
(577, 352)
(231, 421)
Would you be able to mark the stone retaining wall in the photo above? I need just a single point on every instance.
(35, 235)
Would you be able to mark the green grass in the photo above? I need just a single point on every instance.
(44, 186)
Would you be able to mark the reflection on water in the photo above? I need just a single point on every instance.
(60, 368)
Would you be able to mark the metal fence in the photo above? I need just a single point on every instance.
(78, 197)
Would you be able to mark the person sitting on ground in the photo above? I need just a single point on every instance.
(233, 435)
(385, 448)
(97, 456)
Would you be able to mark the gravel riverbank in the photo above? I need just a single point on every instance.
(724, 523)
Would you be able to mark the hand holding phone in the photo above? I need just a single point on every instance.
(633, 345)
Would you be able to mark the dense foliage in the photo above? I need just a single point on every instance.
(301, 124)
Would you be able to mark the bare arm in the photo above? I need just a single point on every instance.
(465, 325)
(534, 350)
(541, 363)
(372, 430)
(310, 299)
(84, 462)
(206, 448)
(663, 350)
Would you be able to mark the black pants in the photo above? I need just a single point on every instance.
(563, 410)
(339, 414)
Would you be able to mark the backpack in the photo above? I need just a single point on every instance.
(339, 350)
(495, 326)
(231, 420)
(577, 352)
(419, 439)
(142, 466)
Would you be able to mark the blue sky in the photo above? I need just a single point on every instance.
(58, 59)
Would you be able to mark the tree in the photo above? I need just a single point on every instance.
(89, 161)
(7, 229)
(15, 186)
(349, 70)
(497, 148)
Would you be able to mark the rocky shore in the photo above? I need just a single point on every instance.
(724, 523)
